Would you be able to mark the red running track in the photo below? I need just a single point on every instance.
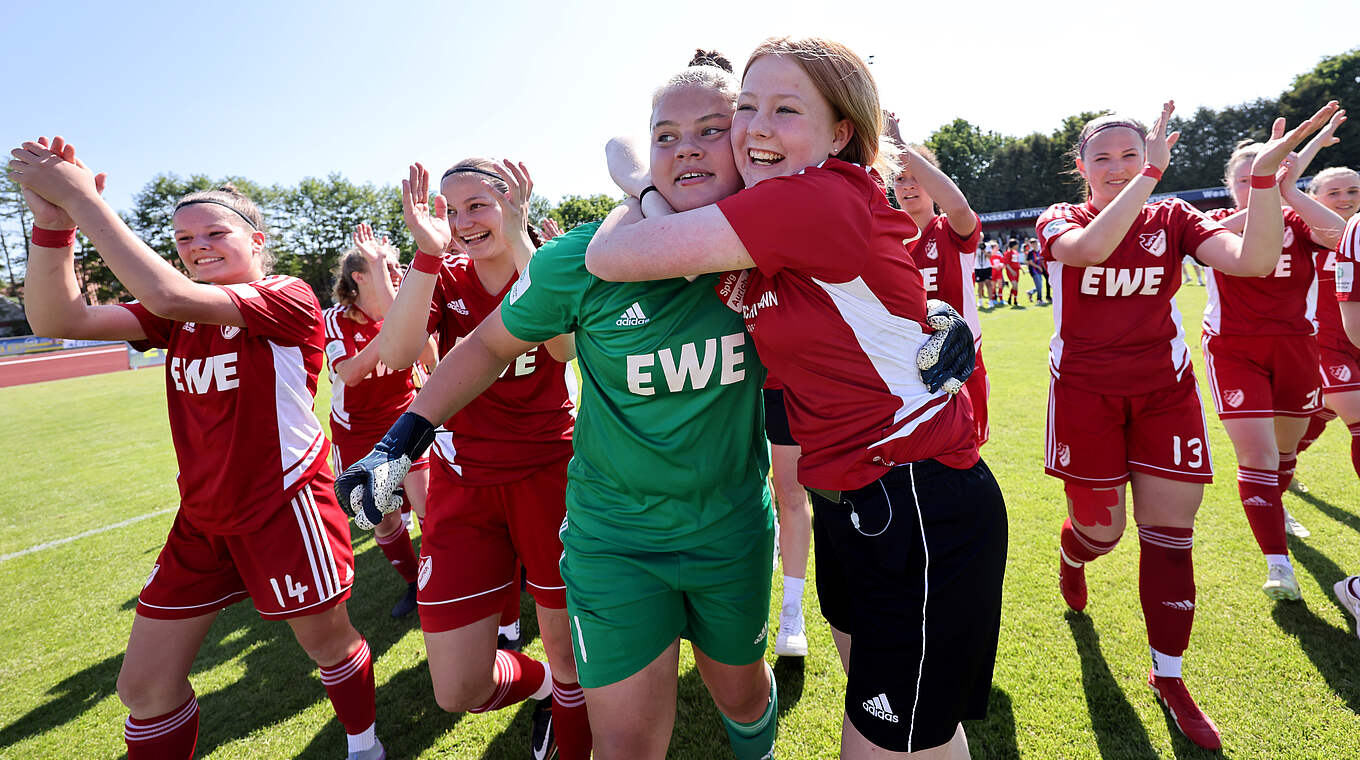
(56, 365)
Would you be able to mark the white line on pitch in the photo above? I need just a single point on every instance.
(98, 352)
(86, 534)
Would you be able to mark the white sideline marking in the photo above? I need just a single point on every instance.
(86, 534)
(70, 355)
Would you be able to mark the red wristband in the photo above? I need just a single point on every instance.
(1262, 182)
(53, 238)
(1151, 171)
(427, 262)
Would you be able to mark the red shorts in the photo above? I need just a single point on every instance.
(1340, 370)
(299, 562)
(357, 446)
(978, 389)
(474, 536)
(1096, 440)
(1263, 375)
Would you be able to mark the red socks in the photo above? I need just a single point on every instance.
(518, 677)
(1355, 446)
(349, 684)
(1166, 585)
(1260, 493)
(1316, 424)
(1079, 548)
(571, 723)
(171, 736)
(1286, 473)
(398, 550)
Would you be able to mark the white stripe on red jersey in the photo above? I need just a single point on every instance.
(240, 402)
(1283, 302)
(1117, 329)
(837, 311)
(946, 262)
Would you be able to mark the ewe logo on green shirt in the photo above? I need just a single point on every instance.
(691, 368)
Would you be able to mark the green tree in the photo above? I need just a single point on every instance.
(14, 230)
(965, 153)
(316, 219)
(580, 209)
(1336, 77)
(1208, 138)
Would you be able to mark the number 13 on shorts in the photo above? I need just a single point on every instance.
(295, 590)
(1190, 451)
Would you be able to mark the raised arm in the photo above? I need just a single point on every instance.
(1256, 252)
(54, 305)
(942, 189)
(1092, 244)
(151, 279)
(1325, 225)
(404, 333)
(631, 173)
(467, 370)
(692, 242)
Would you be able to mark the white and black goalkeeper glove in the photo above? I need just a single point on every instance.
(948, 356)
(370, 488)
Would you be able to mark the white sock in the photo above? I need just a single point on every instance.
(509, 631)
(1164, 665)
(545, 690)
(793, 591)
(362, 742)
(1273, 560)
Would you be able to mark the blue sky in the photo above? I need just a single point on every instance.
(281, 91)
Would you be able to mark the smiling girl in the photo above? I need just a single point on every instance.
(908, 520)
(669, 530)
(497, 481)
(257, 518)
(1124, 406)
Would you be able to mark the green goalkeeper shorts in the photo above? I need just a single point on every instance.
(628, 604)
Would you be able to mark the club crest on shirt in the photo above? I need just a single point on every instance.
(1288, 236)
(423, 574)
(1341, 372)
(1153, 242)
(230, 331)
(932, 251)
(1064, 454)
(1234, 398)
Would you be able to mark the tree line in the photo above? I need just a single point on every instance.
(311, 222)
(999, 172)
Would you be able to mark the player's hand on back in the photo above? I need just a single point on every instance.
(367, 490)
(948, 357)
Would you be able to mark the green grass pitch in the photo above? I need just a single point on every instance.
(1281, 680)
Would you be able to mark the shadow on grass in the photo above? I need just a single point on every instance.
(1331, 649)
(1343, 516)
(993, 738)
(1118, 729)
(274, 665)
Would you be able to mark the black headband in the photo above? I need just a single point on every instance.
(234, 210)
(474, 170)
(1081, 147)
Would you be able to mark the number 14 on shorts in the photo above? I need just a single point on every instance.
(295, 590)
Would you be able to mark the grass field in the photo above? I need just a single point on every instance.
(1281, 680)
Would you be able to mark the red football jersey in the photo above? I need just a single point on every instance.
(837, 311)
(1117, 329)
(998, 262)
(371, 406)
(524, 420)
(1283, 302)
(1014, 261)
(1331, 333)
(1347, 254)
(945, 261)
(240, 402)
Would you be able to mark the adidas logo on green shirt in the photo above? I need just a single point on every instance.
(632, 317)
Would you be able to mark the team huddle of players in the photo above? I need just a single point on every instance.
(757, 284)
